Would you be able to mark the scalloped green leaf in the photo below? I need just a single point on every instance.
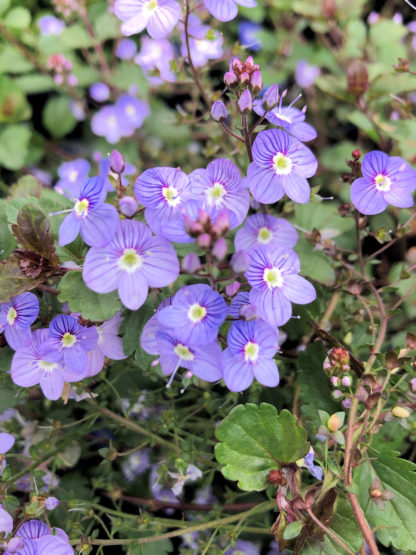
(256, 439)
(395, 522)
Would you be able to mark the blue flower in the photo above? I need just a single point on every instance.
(196, 313)
(16, 317)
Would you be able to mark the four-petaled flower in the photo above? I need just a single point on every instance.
(385, 181)
(251, 348)
(131, 262)
(263, 229)
(273, 275)
(281, 165)
(159, 17)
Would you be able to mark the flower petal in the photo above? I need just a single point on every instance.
(366, 198)
(266, 372)
(223, 10)
(238, 375)
(272, 306)
(297, 188)
(298, 290)
(100, 225)
(52, 385)
(132, 290)
(68, 229)
(264, 184)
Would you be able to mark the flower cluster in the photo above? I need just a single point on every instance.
(61, 68)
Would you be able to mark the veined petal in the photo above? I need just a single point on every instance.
(374, 163)
(207, 363)
(264, 184)
(17, 337)
(100, 225)
(366, 198)
(160, 266)
(132, 290)
(238, 375)
(266, 372)
(272, 306)
(164, 19)
(101, 272)
(68, 229)
(52, 385)
(298, 290)
(223, 10)
(297, 188)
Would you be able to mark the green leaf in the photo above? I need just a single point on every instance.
(57, 116)
(4, 5)
(395, 523)
(314, 264)
(256, 439)
(293, 530)
(13, 281)
(91, 305)
(32, 232)
(7, 241)
(18, 18)
(13, 104)
(14, 141)
(314, 388)
(35, 83)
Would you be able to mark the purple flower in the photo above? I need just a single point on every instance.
(205, 43)
(247, 34)
(132, 112)
(126, 49)
(385, 181)
(163, 191)
(159, 17)
(39, 541)
(72, 175)
(240, 261)
(106, 172)
(135, 464)
(196, 313)
(6, 521)
(281, 165)
(191, 263)
(291, 119)
(53, 544)
(95, 220)
(201, 360)
(262, 229)
(50, 25)
(240, 307)
(306, 74)
(6, 443)
(15, 545)
(148, 338)
(156, 56)
(71, 340)
(109, 123)
(128, 206)
(220, 186)
(16, 317)
(133, 261)
(225, 10)
(251, 348)
(100, 92)
(308, 462)
(273, 275)
(31, 366)
(218, 111)
(109, 343)
(51, 503)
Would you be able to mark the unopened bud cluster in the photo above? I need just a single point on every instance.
(209, 233)
(245, 78)
(62, 69)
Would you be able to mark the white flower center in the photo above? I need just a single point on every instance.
(273, 277)
(215, 194)
(264, 235)
(383, 183)
(73, 176)
(130, 110)
(11, 316)
(47, 366)
(283, 118)
(81, 208)
(149, 8)
(171, 195)
(130, 261)
(196, 313)
(183, 352)
(68, 339)
(282, 164)
(112, 121)
(251, 352)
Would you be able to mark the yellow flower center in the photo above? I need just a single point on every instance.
(215, 194)
(68, 339)
(73, 176)
(383, 183)
(112, 121)
(183, 352)
(150, 7)
(130, 110)
(130, 261)
(264, 235)
(47, 366)
(81, 207)
(284, 118)
(251, 352)
(196, 313)
(171, 195)
(282, 164)
(273, 277)
(11, 316)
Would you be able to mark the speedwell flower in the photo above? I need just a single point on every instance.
(226, 10)
(262, 229)
(280, 166)
(95, 220)
(16, 317)
(133, 261)
(273, 275)
(196, 313)
(251, 348)
(385, 181)
(71, 176)
(159, 17)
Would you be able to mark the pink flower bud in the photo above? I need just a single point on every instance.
(218, 111)
(190, 263)
(346, 381)
(203, 217)
(230, 79)
(222, 224)
(256, 83)
(204, 240)
(334, 423)
(236, 65)
(232, 288)
(219, 250)
(128, 206)
(248, 312)
(335, 381)
(245, 102)
(244, 78)
(117, 163)
(271, 98)
(240, 261)
(337, 394)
